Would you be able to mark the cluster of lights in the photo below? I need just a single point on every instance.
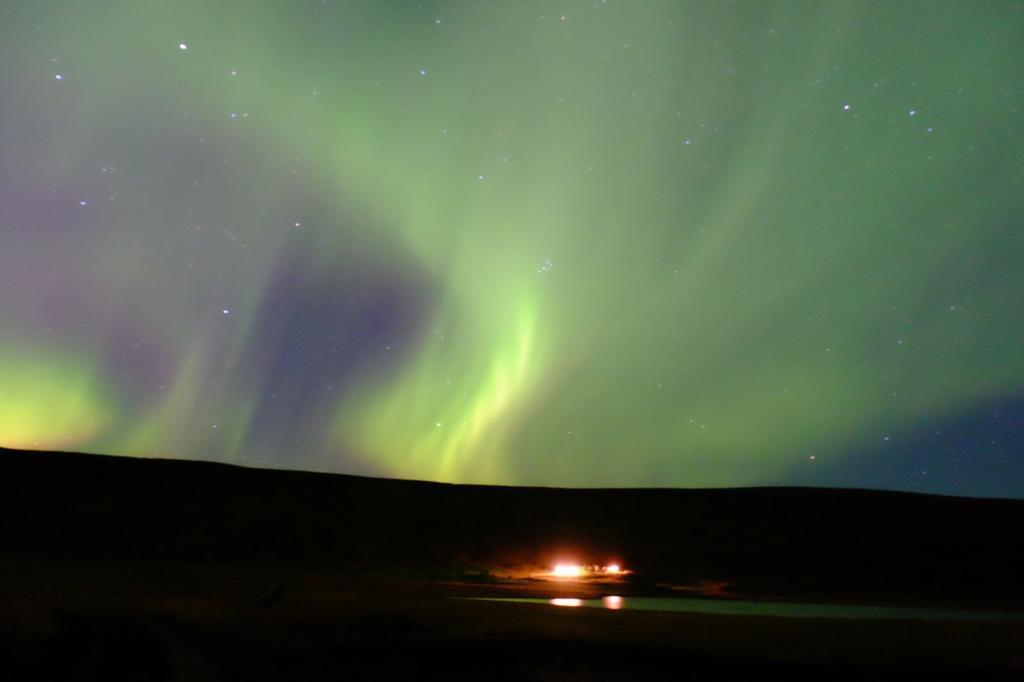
(582, 571)
(567, 571)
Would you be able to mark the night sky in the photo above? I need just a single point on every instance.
(597, 243)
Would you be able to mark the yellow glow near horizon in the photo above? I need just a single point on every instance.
(50, 399)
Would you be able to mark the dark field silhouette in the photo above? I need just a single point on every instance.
(118, 568)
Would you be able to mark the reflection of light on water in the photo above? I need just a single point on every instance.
(612, 601)
(757, 609)
(567, 571)
(564, 601)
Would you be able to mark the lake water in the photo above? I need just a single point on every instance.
(768, 608)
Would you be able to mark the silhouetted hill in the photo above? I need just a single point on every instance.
(798, 542)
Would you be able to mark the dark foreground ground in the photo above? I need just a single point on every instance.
(117, 569)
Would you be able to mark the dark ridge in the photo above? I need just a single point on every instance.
(800, 543)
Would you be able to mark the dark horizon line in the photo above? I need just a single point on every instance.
(712, 489)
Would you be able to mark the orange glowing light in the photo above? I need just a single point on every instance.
(567, 571)
(613, 601)
(564, 601)
(613, 569)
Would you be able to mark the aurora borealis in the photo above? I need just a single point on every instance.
(618, 243)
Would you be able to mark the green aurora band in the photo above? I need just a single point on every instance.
(624, 243)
